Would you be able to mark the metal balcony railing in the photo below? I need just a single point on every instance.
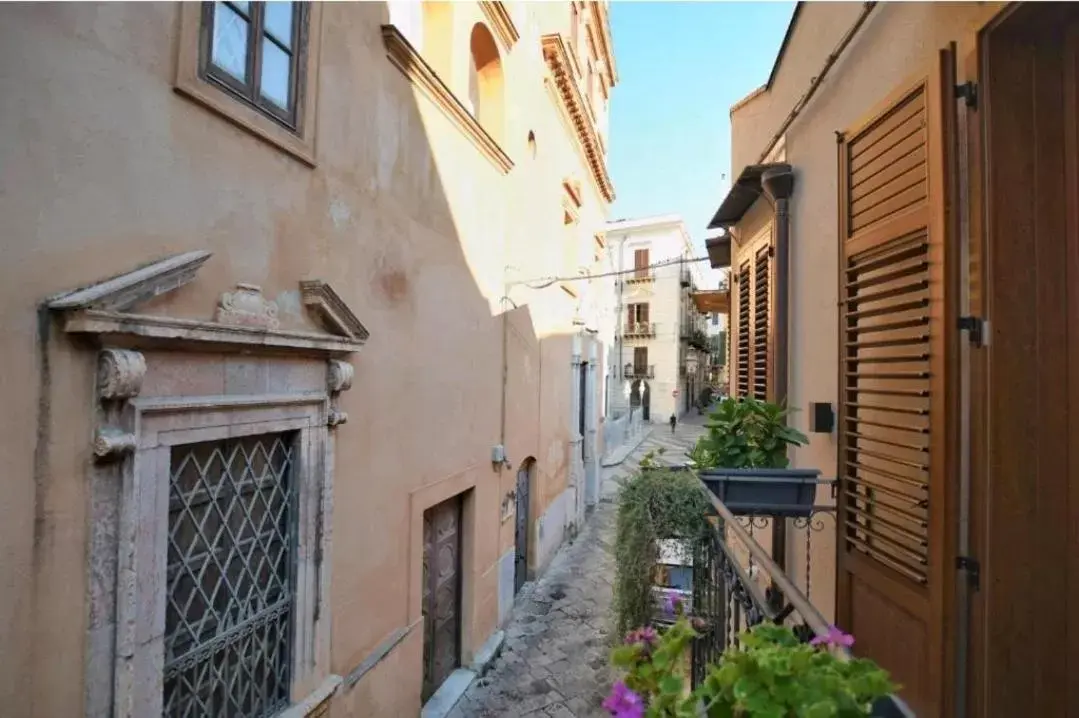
(639, 275)
(640, 372)
(640, 329)
(737, 585)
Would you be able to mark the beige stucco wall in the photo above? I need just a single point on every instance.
(105, 167)
(897, 42)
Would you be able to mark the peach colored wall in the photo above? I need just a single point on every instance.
(898, 41)
(105, 166)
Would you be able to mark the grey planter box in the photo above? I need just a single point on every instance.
(764, 492)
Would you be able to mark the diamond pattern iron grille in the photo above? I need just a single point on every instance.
(228, 615)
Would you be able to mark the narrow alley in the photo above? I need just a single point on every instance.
(554, 661)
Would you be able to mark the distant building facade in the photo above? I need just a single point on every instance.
(658, 343)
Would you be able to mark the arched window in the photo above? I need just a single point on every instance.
(485, 81)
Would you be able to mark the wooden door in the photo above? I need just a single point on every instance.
(1025, 380)
(524, 485)
(441, 593)
(897, 338)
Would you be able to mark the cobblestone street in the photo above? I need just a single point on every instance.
(554, 659)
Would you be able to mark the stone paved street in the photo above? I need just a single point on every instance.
(554, 659)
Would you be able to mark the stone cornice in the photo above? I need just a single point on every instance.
(599, 12)
(499, 18)
(557, 58)
(412, 65)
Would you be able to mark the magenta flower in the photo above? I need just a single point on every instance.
(834, 637)
(646, 636)
(623, 702)
(671, 603)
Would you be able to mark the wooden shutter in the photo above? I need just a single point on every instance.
(895, 317)
(762, 312)
(643, 312)
(744, 352)
(631, 317)
(640, 262)
(640, 360)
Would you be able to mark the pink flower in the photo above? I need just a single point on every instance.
(623, 702)
(646, 636)
(834, 637)
(671, 602)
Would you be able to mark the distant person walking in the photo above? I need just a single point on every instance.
(674, 422)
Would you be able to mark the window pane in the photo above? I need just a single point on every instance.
(275, 74)
(229, 50)
(243, 7)
(279, 21)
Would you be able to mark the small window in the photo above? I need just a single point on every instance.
(255, 50)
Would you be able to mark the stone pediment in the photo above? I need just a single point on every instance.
(244, 319)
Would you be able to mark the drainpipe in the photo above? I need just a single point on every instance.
(778, 183)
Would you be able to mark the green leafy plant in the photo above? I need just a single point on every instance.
(774, 675)
(746, 433)
(653, 505)
(655, 668)
(648, 461)
(771, 674)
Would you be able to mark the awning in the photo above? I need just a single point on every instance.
(719, 251)
(742, 194)
(712, 301)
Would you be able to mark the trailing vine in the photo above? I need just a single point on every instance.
(654, 504)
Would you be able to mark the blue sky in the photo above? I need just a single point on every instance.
(681, 65)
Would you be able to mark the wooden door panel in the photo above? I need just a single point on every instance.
(1025, 477)
(441, 593)
(895, 362)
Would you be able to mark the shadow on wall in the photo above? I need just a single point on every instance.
(126, 170)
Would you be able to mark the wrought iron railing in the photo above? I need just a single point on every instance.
(631, 371)
(640, 329)
(639, 275)
(737, 584)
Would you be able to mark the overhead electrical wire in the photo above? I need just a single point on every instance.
(548, 281)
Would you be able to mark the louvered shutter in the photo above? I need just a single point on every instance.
(744, 351)
(640, 262)
(640, 360)
(892, 459)
(762, 312)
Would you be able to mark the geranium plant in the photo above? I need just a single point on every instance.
(746, 433)
(770, 674)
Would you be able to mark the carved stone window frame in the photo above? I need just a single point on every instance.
(129, 477)
(159, 424)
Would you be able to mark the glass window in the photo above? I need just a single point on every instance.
(255, 51)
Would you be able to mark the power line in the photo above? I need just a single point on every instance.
(578, 277)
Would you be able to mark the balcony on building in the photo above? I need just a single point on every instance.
(639, 329)
(639, 371)
(640, 276)
(737, 579)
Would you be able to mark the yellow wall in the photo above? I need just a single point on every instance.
(103, 166)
